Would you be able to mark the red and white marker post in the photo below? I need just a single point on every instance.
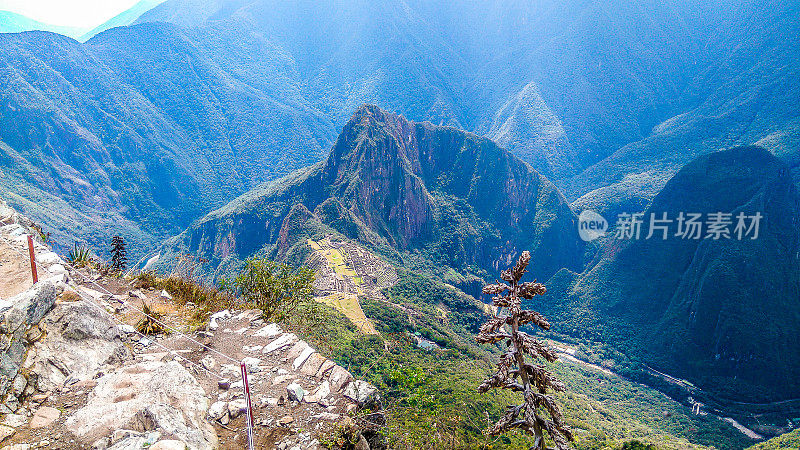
(246, 385)
(33, 260)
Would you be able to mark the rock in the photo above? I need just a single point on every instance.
(169, 444)
(57, 269)
(282, 341)
(362, 444)
(312, 364)
(213, 321)
(209, 362)
(165, 295)
(136, 293)
(297, 349)
(295, 392)
(48, 258)
(101, 444)
(42, 444)
(281, 379)
(361, 392)
(15, 420)
(285, 420)
(125, 328)
(150, 395)
(224, 384)
(322, 392)
(303, 357)
(237, 407)
(270, 401)
(339, 378)
(217, 410)
(17, 316)
(18, 385)
(44, 417)
(325, 368)
(6, 432)
(270, 331)
(252, 364)
(81, 338)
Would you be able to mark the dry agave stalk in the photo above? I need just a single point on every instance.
(513, 372)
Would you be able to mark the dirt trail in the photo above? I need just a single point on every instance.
(15, 272)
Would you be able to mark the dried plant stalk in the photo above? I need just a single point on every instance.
(513, 372)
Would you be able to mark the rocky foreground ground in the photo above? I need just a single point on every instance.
(74, 373)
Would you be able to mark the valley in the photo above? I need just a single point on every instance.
(340, 179)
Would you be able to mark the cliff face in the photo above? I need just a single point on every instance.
(449, 195)
(719, 313)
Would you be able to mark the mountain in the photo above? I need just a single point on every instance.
(16, 23)
(719, 313)
(139, 131)
(608, 100)
(739, 90)
(411, 190)
(122, 19)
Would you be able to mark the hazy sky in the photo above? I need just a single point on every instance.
(75, 13)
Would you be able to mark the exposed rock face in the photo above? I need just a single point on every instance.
(19, 321)
(145, 397)
(81, 339)
(412, 186)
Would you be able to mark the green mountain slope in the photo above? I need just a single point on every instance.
(93, 125)
(435, 193)
(720, 313)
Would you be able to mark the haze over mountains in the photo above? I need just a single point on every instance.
(183, 122)
(608, 100)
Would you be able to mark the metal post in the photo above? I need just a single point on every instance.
(246, 385)
(33, 260)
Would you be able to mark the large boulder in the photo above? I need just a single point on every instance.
(148, 396)
(81, 339)
(19, 316)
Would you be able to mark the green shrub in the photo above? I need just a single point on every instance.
(278, 290)
(80, 256)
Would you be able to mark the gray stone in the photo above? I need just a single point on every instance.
(81, 338)
(15, 420)
(237, 407)
(295, 392)
(217, 410)
(339, 378)
(6, 432)
(150, 395)
(361, 392)
(252, 364)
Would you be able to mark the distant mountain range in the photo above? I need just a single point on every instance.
(16, 23)
(183, 122)
(606, 99)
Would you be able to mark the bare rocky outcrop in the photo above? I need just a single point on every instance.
(148, 397)
(81, 339)
(19, 327)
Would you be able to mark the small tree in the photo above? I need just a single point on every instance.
(276, 289)
(513, 373)
(119, 255)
